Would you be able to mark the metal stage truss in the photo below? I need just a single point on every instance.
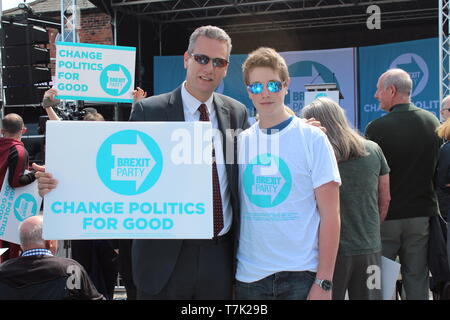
(240, 16)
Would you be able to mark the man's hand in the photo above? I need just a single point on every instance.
(315, 123)
(46, 183)
(139, 94)
(49, 98)
(317, 293)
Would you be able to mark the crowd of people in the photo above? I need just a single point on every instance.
(346, 200)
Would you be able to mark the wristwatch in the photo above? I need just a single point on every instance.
(50, 103)
(325, 285)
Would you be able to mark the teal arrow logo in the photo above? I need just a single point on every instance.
(307, 72)
(115, 80)
(416, 68)
(129, 162)
(267, 181)
(25, 206)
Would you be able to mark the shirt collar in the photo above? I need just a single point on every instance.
(400, 107)
(191, 104)
(36, 252)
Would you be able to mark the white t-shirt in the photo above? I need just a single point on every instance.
(279, 217)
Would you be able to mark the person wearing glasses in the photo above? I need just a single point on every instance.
(196, 269)
(445, 108)
(193, 269)
(289, 191)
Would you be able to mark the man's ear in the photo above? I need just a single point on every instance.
(393, 90)
(186, 58)
(287, 83)
(51, 245)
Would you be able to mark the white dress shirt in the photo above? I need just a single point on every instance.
(191, 113)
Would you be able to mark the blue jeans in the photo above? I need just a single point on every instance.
(285, 285)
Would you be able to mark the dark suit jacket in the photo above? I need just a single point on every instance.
(154, 260)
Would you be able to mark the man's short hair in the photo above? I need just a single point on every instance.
(93, 117)
(446, 102)
(90, 110)
(398, 78)
(210, 32)
(32, 236)
(265, 57)
(12, 123)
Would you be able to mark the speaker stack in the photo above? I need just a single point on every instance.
(26, 74)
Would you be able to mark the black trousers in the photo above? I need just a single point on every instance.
(100, 261)
(204, 271)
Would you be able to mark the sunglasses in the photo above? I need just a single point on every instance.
(258, 87)
(204, 59)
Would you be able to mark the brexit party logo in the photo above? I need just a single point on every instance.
(129, 162)
(417, 69)
(267, 181)
(25, 206)
(306, 72)
(115, 80)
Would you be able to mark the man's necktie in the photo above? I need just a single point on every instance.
(217, 198)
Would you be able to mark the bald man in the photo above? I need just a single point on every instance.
(13, 157)
(39, 275)
(409, 142)
(445, 108)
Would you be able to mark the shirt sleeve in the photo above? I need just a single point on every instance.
(17, 164)
(384, 169)
(324, 166)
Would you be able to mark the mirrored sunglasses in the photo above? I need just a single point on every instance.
(204, 59)
(258, 87)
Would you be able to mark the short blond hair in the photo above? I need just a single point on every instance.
(93, 117)
(265, 57)
(443, 131)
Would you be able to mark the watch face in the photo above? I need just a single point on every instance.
(326, 285)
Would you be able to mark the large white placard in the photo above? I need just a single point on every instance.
(16, 204)
(94, 72)
(133, 180)
(389, 276)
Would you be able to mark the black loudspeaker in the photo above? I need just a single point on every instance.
(24, 95)
(25, 75)
(16, 34)
(27, 55)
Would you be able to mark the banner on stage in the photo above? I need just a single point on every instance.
(305, 67)
(129, 180)
(17, 204)
(94, 72)
(419, 58)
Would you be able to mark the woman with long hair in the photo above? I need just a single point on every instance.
(364, 201)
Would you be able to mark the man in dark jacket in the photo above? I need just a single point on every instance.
(409, 142)
(39, 275)
(14, 160)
